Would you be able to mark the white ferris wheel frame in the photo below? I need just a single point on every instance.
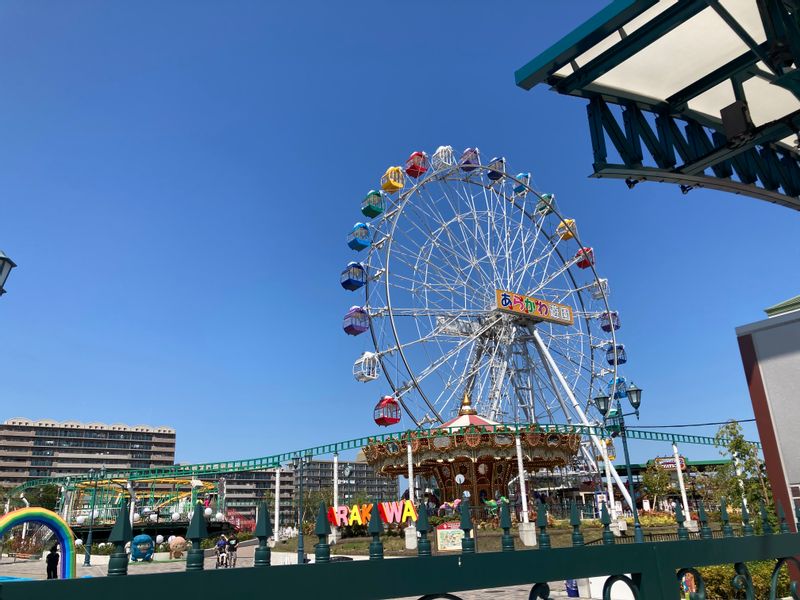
(383, 240)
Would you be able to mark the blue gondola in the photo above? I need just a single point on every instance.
(620, 388)
(497, 168)
(616, 354)
(470, 159)
(358, 238)
(354, 276)
(609, 321)
(522, 186)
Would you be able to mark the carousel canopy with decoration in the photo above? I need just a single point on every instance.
(482, 450)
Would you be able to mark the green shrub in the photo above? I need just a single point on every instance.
(719, 586)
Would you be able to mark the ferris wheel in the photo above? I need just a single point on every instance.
(476, 286)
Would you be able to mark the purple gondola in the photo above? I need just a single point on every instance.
(609, 321)
(470, 159)
(356, 321)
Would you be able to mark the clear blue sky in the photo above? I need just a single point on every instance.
(177, 179)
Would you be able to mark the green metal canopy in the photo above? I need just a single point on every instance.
(702, 93)
(790, 305)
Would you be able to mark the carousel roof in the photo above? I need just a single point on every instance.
(467, 416)
(467, 420)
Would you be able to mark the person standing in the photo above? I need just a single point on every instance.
(52, 563)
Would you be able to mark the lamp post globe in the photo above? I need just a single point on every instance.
(634, 396)
(601, 402)
(6, 264)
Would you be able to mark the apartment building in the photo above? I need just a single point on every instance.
(30, 449)
(356, 480)
(244, 490)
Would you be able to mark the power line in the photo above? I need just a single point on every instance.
(637, 426)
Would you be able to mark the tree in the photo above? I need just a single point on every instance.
(751, 479)
(45, 496)
(311, 500)
(656, 481)
(712, 485)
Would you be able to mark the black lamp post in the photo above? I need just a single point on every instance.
(603, 404)
(88, 547)
(299, 463)
(6, 264)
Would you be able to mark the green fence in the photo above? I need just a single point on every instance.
(651, 570)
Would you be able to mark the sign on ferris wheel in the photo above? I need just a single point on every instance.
(535, 308)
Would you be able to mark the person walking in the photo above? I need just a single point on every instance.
(52, 563)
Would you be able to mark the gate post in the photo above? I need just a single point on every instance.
(263, 555)
(197, 531)
(120, 535)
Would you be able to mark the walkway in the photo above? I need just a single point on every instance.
(36, 570)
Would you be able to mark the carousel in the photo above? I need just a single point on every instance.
(482, 450)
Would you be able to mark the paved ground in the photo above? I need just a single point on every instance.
(36, 570)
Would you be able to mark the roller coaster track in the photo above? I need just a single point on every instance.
(276, 460)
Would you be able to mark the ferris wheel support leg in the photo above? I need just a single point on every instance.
(585, 451)
(576, 405)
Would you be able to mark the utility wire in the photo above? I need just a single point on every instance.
(690, 424)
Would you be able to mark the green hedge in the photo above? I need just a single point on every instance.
(719, 586)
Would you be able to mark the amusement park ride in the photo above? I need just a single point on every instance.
(483, 308)
(491, 326)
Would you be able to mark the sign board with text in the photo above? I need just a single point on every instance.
(534, 308)
(449, 536)
(668, 462)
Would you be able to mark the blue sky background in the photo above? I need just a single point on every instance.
(177, 179)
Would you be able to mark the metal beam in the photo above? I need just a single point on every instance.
(601, 25)
(696, 181)
(765, 170)
(644, 36)
(679, 100)
(766, 133)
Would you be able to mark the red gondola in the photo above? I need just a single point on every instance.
(387, 412)
(417, 164)
(586, 256)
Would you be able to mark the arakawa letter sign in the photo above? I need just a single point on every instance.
(534, 308)
(390, 512)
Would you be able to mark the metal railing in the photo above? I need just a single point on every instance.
(651, 570)
(276, 460)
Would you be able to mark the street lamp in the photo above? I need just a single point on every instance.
(6, 264)
(88, 547)
(603, 404)
(298, 464)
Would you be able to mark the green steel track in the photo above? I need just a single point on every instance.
(276, 460)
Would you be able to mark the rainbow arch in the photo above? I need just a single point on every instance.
(64, 535)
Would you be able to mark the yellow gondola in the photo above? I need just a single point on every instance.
(393, 180)
(566, 229)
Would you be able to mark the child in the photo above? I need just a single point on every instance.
(52, 563)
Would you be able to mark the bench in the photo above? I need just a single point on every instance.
(22, 556)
